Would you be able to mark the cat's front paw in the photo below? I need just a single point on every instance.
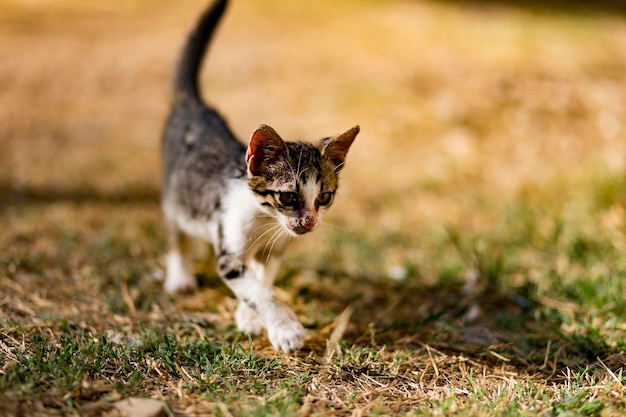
(286, 335)
(247, 320)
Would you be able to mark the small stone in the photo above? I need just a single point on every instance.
(141, 407)
(397, 273)
(477, 336)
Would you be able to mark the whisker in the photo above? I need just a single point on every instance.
(353, 161)
(275, 238)
(304, 170)
(275, 231)
(299, 160)
(339, 167)
(279, 235)
(343, 229)
(293, 173)
(265, 216)
(267, 224)
(329, 248)
(272, 228)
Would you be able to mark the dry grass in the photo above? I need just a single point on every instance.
(478, 237)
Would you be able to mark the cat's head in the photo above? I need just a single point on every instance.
(296, 181)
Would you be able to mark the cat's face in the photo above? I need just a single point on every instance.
(295, 182)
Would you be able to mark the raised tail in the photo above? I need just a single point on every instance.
(190, 61)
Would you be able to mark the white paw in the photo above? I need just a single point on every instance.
(287, 337)
(247, 320)
(285, 332)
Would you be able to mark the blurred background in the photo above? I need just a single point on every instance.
(478, 236)
(463, 106)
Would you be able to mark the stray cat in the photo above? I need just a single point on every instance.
(246, 202)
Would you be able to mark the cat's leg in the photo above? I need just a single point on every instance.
(267, 267)
(248, 321)
(283, 328)
(179, 276)
(265, 271)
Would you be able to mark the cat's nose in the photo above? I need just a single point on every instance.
(308, 226)
(309, 221)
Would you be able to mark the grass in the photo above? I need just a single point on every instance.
(474, 260)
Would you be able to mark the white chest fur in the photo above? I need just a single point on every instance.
(240, 225)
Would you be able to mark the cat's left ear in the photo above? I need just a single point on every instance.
(265, 148)
(335, 149)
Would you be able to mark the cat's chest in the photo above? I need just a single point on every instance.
(237, 225)
(244, 224)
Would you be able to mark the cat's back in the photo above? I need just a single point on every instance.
(197, 140)
(201, 158)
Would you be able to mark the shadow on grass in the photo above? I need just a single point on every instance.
(20, 195)
(578, 7)
(489, 324)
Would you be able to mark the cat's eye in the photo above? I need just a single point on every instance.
(324, 199)
(288, 199)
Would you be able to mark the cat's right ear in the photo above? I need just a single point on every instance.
(265, 148)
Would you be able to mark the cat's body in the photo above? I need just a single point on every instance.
(246, 202)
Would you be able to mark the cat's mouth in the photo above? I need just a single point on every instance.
(300, 230)
(303, 225)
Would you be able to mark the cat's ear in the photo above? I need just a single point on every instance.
(264, 149)
(335, 149)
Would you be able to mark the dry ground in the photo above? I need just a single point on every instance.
(475, 248)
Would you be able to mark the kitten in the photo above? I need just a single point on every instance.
(246, 202)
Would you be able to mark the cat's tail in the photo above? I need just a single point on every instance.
(190, 61)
